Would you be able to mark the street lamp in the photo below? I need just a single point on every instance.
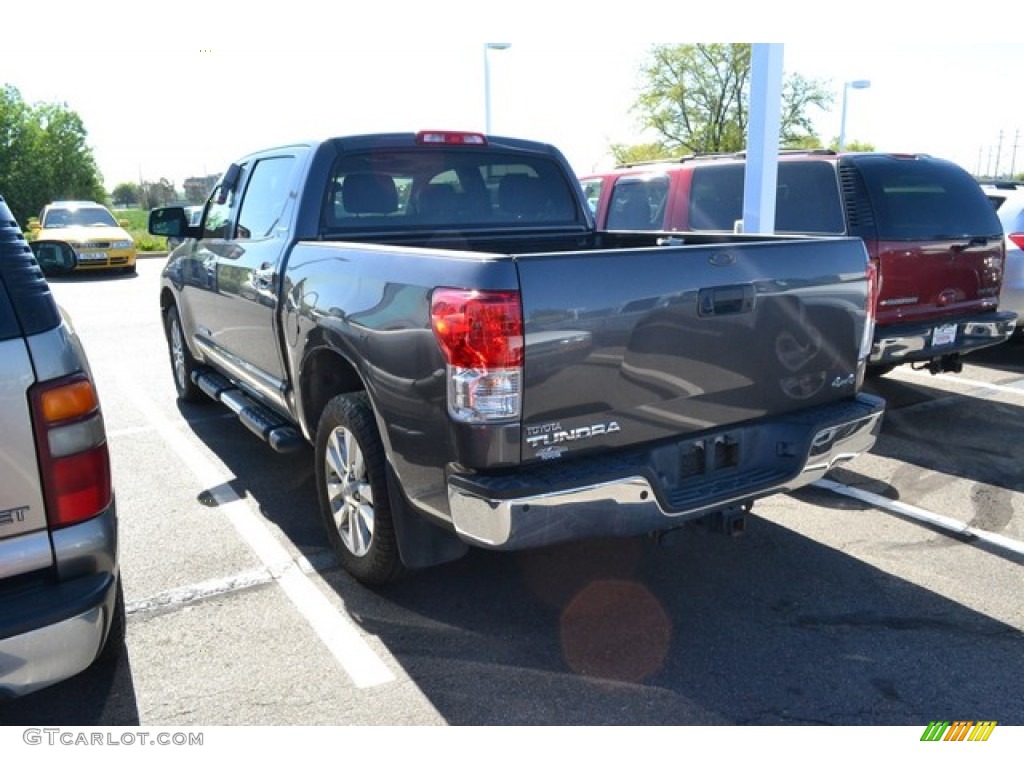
(487, 81)
(842, 122)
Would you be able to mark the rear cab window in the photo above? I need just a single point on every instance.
(446, 188)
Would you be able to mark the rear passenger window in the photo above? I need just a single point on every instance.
(716, 197)
(807, 198)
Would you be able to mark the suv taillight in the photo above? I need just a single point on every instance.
(72, 447)
(874, 286)
(481, 336)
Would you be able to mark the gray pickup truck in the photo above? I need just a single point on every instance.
(475, 364)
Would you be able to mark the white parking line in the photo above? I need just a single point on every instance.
(924, 516)
(340, 635)
(977, 384)
(179, 596)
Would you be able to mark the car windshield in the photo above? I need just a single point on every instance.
(79, 217)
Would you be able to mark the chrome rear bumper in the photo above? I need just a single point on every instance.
(634, 504)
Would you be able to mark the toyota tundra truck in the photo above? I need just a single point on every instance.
(474, 364)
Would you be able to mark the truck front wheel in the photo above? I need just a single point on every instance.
(352, 485)
(182, 362)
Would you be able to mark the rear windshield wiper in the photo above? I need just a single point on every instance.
(974, 242)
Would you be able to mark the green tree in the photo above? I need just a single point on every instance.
(126, 193)
(43, 156)
(625, 154)
(696, 99)
(154, 194)
(852, 146)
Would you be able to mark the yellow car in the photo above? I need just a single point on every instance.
(97, 237)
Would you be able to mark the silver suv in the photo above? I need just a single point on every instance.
(61, 604)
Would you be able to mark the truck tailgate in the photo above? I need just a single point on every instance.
(639, 345)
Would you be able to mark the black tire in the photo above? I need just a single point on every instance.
(115, 642)
(877, 371)
(352, 487)
(182, 362)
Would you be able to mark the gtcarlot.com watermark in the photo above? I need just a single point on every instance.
(67, 737)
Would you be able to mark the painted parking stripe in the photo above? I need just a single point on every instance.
(924, 516)
(976, 384)
(177, 597)
(340, 635)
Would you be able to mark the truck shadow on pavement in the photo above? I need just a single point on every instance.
(768, 629)
(971, 435)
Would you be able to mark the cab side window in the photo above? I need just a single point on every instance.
(266, 195)
(219, 213)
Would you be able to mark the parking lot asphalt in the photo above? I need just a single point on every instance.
(837, 606)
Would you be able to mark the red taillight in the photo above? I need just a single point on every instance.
(874, 277)
(72, 448)
(478, 329)
(1017, 238)
(874, 286)
(451, 137)
(81, 486)
(480, 334)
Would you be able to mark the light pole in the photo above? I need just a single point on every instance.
(842, 122)
(487, 80)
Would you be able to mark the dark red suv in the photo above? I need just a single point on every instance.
(934, 237)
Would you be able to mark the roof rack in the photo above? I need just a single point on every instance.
(741, 155)
(1002, 183)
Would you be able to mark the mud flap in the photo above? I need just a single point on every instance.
(421, 544)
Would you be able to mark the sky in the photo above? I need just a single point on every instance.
(193, 89)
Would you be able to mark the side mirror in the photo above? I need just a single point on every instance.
(168, 222)
(55, 257)
(33, 226)
(123, 223)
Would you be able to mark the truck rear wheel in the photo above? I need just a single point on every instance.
(182, 362)
(352, 486)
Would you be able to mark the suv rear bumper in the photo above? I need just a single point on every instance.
(50, 631)
(642, 491)
(912, 342)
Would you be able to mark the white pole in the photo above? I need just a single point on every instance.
(487, 81)
(763, 138)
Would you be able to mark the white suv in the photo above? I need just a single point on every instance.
(60, 593)
(1008, 200)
